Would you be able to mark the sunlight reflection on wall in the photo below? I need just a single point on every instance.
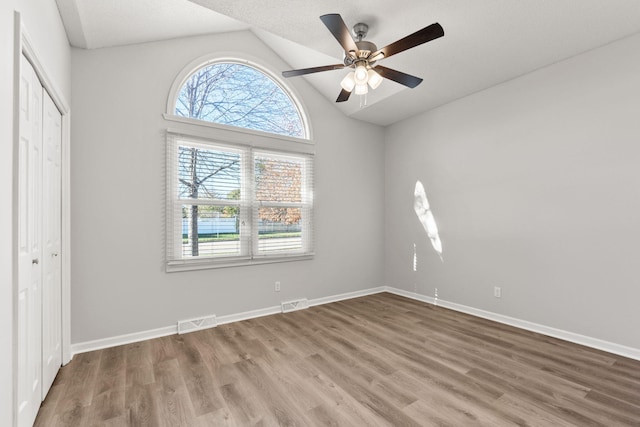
(423, 211)
(415, 258)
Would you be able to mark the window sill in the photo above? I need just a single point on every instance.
(207, 263)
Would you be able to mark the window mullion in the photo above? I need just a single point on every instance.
(307, 209)
(248, 228)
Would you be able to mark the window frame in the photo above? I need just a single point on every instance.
(216, 134)
(249, 254)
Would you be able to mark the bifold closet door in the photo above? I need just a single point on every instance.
(39, 243)
(29, 246)
(51, 243)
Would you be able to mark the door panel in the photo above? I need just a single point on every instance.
(51, 234)
(29, 250)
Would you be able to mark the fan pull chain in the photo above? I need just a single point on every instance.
(363, 100)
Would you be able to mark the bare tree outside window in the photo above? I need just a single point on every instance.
(207, 175)
(239, 95)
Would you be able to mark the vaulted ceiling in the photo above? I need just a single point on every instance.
(486, 42)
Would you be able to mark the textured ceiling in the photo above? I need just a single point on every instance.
(92, 24)
(485, 43)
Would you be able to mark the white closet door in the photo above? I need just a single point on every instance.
(51, 243)
(29, 247)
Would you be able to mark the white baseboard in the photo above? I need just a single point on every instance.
(412, 295)
(230, 318)
(99, 344)
(86, 346)
(345, 296)
(632, 353)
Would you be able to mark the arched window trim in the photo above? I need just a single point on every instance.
(211, 59)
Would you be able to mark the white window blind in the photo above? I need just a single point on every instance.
(229, 205)
(282, 203)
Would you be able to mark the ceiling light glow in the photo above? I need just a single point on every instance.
(361, 75)
(349, 82)
(374, 79)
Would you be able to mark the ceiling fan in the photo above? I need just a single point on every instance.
(362, 56)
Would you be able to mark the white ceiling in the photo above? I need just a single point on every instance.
(486, 42)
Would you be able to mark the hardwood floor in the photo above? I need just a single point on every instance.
(380, 360)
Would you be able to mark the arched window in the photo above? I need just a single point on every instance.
(236, 94)
(239, 169)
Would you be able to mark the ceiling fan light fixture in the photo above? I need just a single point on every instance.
(374, 79)
(362, 89)
(360, 75)
(361, 55)
(349, 82)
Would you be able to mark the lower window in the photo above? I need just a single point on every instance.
(231, 205)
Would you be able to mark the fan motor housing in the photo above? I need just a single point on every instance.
(365, 48)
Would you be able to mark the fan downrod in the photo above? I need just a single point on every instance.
(360, 30)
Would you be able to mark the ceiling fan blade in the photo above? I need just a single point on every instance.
(303, 71)
(344, 96)
(398, 76)
(424, 35)
(338, 28)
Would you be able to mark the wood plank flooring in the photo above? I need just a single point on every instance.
(380, 360)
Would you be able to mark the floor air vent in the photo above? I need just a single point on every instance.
(191, 325)
(298, 304)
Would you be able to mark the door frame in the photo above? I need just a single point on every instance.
(23, 46)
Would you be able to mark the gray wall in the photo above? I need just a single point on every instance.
(118, 142)
(535, 186)
(45, 31)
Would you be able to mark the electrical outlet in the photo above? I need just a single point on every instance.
(277, 287)
(497, 292)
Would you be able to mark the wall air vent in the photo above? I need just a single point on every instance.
(299, 304)
(191, 325)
